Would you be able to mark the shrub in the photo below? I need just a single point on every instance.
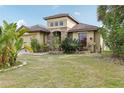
(69, 45)
(44, 48)
(36, 47)
(55, 43)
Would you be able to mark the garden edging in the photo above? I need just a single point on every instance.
(14, 67)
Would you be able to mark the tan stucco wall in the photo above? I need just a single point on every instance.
(64, 29)
(39, 36)
(70, 23)
(89, 34)
(46, 38)
(96, 36)
(98, 41)
(75, 35)
(64, 19)
(26, 39)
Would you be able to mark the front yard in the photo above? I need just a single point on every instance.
(76, 70)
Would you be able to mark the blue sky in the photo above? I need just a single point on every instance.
(32, 15)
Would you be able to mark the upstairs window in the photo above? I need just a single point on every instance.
(56, 23)
(61, 23)
(51, 24)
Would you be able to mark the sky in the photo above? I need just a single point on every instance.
(33, 14)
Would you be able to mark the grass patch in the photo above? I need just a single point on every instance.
(64, 71)
(106, 53)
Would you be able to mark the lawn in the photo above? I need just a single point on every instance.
(76, 70)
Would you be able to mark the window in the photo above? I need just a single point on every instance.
(82, 39)
(51, 24)
(56, 23)
(61, 23)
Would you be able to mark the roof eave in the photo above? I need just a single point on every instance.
(34, 31)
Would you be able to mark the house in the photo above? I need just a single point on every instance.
(62, 26)
(38, 32)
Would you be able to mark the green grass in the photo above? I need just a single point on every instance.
(107, 53)
(75, 70)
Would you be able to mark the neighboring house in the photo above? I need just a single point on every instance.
(62, 26)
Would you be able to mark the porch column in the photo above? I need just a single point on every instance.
(63, 35)
(50, 39)
(90, 41)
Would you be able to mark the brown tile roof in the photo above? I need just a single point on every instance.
(83, 27)
(36, 28)
(61, 15)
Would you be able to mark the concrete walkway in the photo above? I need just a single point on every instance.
(35, 54)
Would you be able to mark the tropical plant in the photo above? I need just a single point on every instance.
(35, 45)
(70, 45)
(10, 43)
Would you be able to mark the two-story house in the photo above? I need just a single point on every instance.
(65, 25)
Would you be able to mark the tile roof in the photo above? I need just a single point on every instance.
(61, 15)
(83, 27)
(36, 28)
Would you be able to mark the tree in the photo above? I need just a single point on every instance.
(112, 18)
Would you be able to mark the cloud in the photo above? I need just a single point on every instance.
(56, 6)
(20, 23)
(77, 13)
